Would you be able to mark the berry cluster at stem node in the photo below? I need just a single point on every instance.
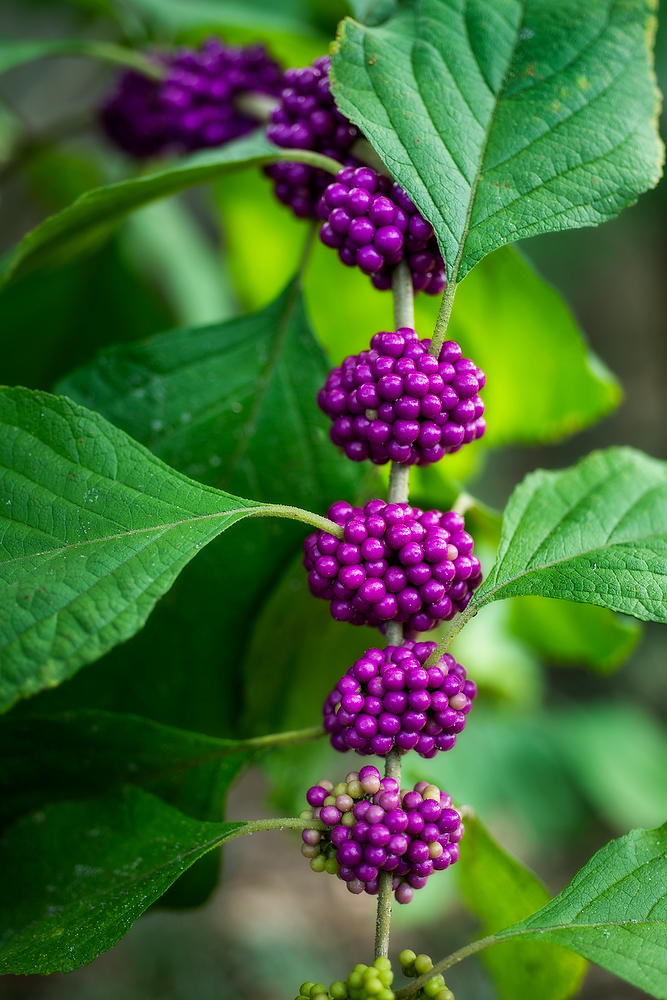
(373, 224)
(307, 118)
(396, 402)
(373, 827)
(413, 966)
(194, 106)
(394, 563)
(365, 982)
(388, 700)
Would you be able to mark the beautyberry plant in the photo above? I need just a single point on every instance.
(429, 135)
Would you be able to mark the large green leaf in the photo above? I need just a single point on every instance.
(94, 212)
(595, 533)
(580, 634)
(499, 891)
(212, 374)
(507, 118)
(96, 530)
(614, 912)
(74, 755)
(76, 875)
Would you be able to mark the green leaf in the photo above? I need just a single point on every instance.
(76, 875)
(17, 52)
(614, 912)
(543, 381)
(260, 15)
(74, 755)
(595, 533)
(499, 890)
(94, 212)
(507, 118)
(580, 634)
(212, 374)
(97, 529)
(634, 790)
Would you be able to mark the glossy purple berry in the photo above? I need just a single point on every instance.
(427, 707)
(410, 834)
(396, 402)
(195, 105)
(373, 225)
(307, 118)
(419, 579)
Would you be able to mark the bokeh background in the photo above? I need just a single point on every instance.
(561, 757)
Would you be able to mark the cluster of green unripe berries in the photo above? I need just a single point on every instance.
(413, 966)
(365, 982)
(374, 982)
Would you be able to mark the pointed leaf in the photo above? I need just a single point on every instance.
(507, 118)
(97, 529)
(76, 875)
(94, 212)
(595, 533)
(614, 912)
(498, 889)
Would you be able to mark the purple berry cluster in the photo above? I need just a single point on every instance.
(388, 700)
(193, 107)
(373, 224)
(394, 563)
(307, 118)
(398, 403)
(373, 827)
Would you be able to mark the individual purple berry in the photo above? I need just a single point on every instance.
(195, 105)
(396, 395)
(387, 229)
(410, 834)
(307, 118)
(417, 581)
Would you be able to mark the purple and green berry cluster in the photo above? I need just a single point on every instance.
(390, 699)
(307, 118)
(194, 105)
(394, 563)
(398, 403)
(365, 982)
(374, 224)
(373, 827)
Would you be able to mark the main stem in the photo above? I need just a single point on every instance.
(404, 315)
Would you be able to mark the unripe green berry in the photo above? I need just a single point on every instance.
(354, 788)
(422, 962)
(385, 995)
(306, 814)
(433, 986)
(330, 800)
(444, 995)
(340, 788)
(310, 850)
(318, 864)
(373, 986)
(338, 991)
(347, 819)
(386, 977)
(318, 988)
(382, 963)
(331, 866)
(407, 959)
(305, 988)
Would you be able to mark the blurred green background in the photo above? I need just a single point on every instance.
(578, 749)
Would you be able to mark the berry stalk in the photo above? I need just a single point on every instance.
(399, 477)
(383, 918)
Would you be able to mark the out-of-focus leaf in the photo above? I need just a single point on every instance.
(630, 787)
(16, 52)
(500, 890)
(76, 754)
(566, 632)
